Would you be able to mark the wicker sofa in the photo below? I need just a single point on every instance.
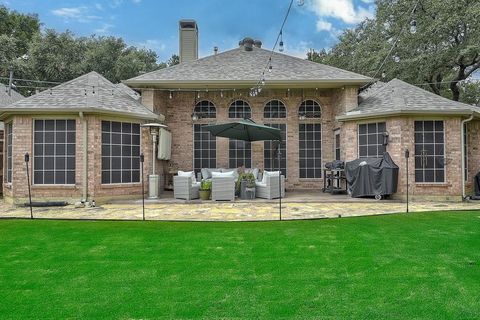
(185, 188)
(268, 188)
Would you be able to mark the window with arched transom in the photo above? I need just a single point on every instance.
(205, 109)
(274, 109)
(310, 109)
(239, 109)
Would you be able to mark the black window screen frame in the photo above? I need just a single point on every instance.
(205, 109)
(310, 150)
(370, 140)
(274, 109)
(239, 153)
(429, 151)
(270, 161)
(121, 147)
(239, 109)
(310, 109)
(8, 150)
(204, 148)
(54, 154)
(337, 145)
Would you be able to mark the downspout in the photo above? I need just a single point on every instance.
(85, 157)
(463, 154)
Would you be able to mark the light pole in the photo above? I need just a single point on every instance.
(153, 178)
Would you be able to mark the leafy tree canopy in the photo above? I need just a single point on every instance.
(437, 44)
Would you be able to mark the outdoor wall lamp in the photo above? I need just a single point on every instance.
(302, 116)
(195, 116)
(385, 138)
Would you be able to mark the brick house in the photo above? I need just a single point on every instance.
(7, 97)
(319, 109)
(84, 138)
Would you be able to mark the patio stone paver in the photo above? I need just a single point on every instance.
(242, 211)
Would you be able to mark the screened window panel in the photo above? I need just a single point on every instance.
(8, 148)
(370, 140)
(120, 152)
(239, 109)
(270, 161)
(310, 109)
(204, 148)
(205, 109)
(337, 145)
(275, 109)
(310, 150)
(54, 152)
(240, 154)
(429, 151)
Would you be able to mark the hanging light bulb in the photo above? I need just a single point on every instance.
(280, 46)
(263, 81)
(413, 27)
(270, 68)
(198, 95)
(383, 74)
(300, 3)
(396, 58)
(170, 95)
(221, 93)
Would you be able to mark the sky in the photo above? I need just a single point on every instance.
(154, 24)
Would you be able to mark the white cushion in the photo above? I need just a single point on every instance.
(269, 174)
(187, 174)
(223, 174)
(260, 184)
(235, 172)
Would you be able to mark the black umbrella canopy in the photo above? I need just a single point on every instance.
(245, 130)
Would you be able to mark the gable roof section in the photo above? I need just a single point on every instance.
(399, 97)
(241, 67)
(5, 98)
(90, 92)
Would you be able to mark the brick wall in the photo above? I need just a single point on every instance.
(401, 136)
(179, 108)
(17, 191)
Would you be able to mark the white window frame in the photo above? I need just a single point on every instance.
(336, 133)
(321, 150)
(8, 154)
(366, 134)
(444, 152)
(284, 155)
(193, 145)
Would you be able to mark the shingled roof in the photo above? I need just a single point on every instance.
(90, 92)
(399, 97)
(241, 67)
(5, 98)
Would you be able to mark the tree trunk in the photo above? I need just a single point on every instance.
(455, 91)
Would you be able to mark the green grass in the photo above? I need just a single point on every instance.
(385, 267)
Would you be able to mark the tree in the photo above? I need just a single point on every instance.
(21, 28)
(444, 50)
(174, 59)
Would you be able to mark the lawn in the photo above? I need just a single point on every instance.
(405, 266)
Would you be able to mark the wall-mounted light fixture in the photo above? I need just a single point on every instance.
(385, 138)
(302, 116)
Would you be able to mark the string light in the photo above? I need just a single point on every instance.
(170, 95)
(413, 27)
(280, 45)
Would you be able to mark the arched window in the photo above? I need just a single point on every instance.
(274, 109)
(205, 109)
(239, 109)
(309, 109)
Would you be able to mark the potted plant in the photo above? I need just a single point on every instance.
(205, 189)
(245, 180)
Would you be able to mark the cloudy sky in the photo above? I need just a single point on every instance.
(154, 23)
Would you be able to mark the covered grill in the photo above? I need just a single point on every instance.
(376, 177)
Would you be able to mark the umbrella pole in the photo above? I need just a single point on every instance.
(279, 153)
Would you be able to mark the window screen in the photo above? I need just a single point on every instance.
(205, 109)
(337, 145)
(8, 148)
(270, 161)
(370, 140)
(239, 109)
(54, 152)
(240, 154)
(120, 152)
(429, 151)
(204, 148)
(465, 149)
(310, 150)
(310, 109)
(274, 109)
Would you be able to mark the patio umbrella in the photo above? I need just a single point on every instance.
(248, 130)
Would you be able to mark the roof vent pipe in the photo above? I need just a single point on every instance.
(248, 44)
(257, 43)
(215, 50)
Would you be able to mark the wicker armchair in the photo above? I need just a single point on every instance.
(183, 188)
(223, 188)
(268, 189)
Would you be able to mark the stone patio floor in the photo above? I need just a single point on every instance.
(294, 207)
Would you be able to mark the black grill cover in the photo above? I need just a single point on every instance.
(372, 176)
(476, 181)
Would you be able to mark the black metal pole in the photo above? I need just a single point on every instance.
(279, 153)
(142, 159)
(27, 158)
(407, 155)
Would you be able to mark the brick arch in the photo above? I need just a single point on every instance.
(206, 109)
